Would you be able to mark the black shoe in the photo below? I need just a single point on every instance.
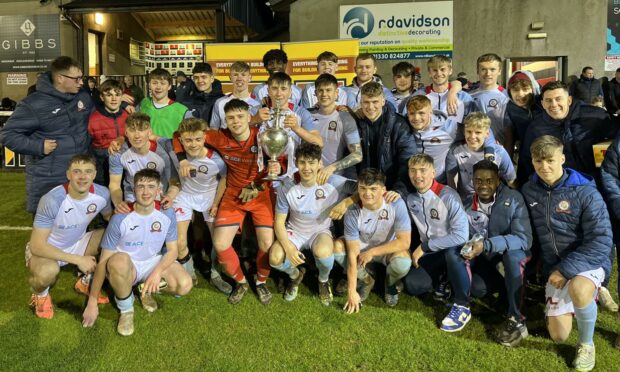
(293, 286)
(264, 295)
(325, 293)
(391, 294)
(237, 294)
(364, 287)
(342, 287)
(512, 333)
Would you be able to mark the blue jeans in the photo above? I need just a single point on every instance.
(432, 266)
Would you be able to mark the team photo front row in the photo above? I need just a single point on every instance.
(430, 237)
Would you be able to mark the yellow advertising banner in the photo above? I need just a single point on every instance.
(302, 59)
(222, 56)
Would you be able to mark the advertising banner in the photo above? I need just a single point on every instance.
(28, 42)
(612, 59)
(222, 56)
(302, 59)
(416, 30)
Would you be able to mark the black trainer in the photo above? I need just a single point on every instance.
(237, 294)
(342, 287)
(512, 332)
(264, 295)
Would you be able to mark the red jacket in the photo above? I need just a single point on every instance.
(103, 127)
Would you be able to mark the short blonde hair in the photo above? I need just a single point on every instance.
(438, 60)
(422, 159)
(138, 121)
(477, 120)
(545, 147)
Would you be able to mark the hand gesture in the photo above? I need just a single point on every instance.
(557, 280)
(416, 255)
(86, 264)
(90, 314)
(353, 304)
(49, 145)
(338, 211)
(324, 174)
(122, 208)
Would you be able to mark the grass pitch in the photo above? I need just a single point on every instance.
(203, 332)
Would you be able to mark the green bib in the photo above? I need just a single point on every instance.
(165, 120)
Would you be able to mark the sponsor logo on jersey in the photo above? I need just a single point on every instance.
(203, 169)
(92, 208)
(533, 204)
(178, 210)
(131, 161)
(55, 111)
(151, 165)
(434, 214)
(383, 214)
(332, 126)
(368, 220)
(319, 194)
(156, 226)
(68, 210)
(133, 227)
(435, 140)
(300, 196)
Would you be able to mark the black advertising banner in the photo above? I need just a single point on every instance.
(28, 42)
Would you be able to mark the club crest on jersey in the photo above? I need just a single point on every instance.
(156, 226)
(81, 106)
(92, 208)
(254, 149)
(563, 207)
(203, 169)
(151, 165)
(332, 126)
(434, 214)
(493, 103)
(435, 140)
(319, 194)
(383, 215)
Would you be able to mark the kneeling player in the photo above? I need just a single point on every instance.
(375, 231)
(573, 228)
(59, 234)
(200, 192)
(500, 215)
(132, 254)
(307, 206)
(442, 224)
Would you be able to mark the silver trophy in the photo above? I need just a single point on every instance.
(274, 140)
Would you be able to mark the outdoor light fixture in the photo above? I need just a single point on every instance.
(537, 35)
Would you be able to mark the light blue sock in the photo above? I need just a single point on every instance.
(340, 259)
(287, 267)
(586, 320)
(325, 266)
(126, 305)
(397, 269)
